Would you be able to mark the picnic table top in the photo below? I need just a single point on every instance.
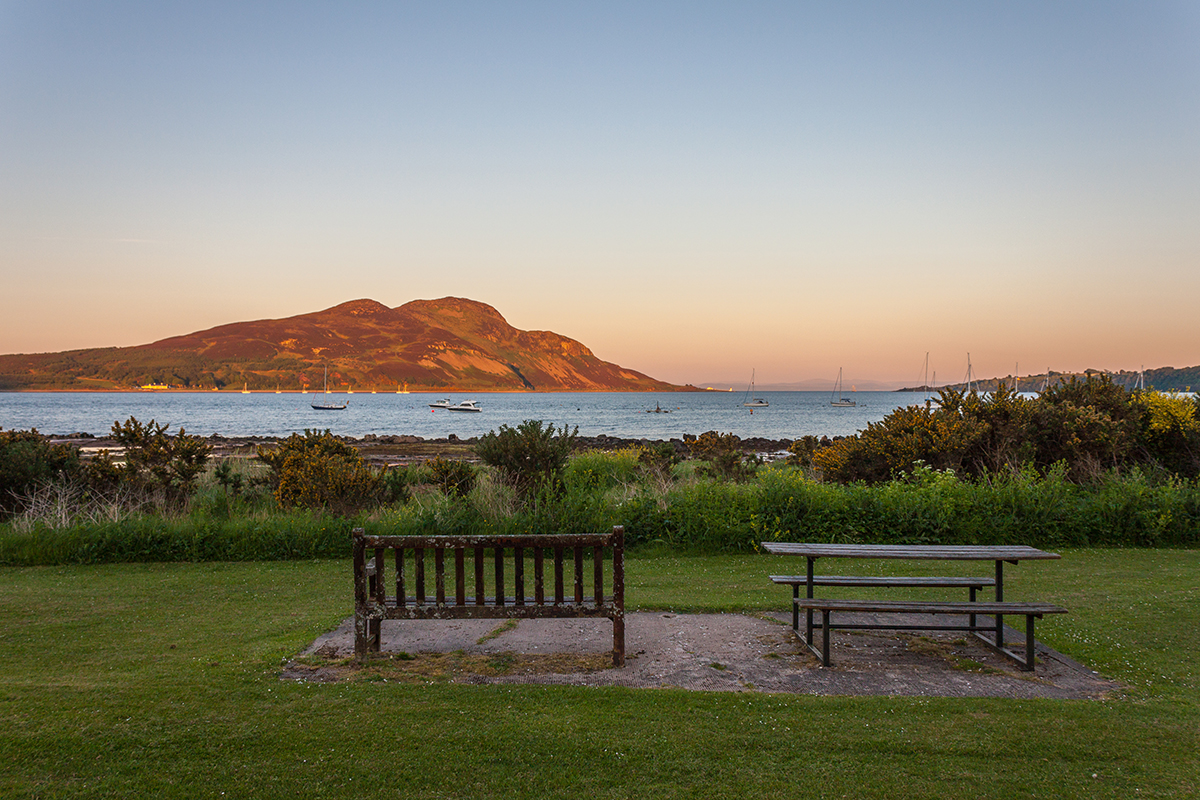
(913, 551)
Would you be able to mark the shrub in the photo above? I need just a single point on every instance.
(318, 471)
(455, 478)
(530, 456)
(722, 453)
(28, 460)
(161, 466)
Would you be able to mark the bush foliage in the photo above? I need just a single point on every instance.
(1090, 426)
(531, 456)
(317, 471)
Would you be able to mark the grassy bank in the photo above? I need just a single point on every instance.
(684, 512)
(162, 680)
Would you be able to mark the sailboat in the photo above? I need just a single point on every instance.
(836, 399)
(328, 406)
(757, 402)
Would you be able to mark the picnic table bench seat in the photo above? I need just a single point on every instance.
(396, 588)
(1030, 611)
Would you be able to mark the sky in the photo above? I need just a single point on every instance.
(699, 191)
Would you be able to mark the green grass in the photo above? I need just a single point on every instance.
(162, 680)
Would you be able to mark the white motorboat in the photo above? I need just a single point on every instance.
(465, 405)
(441, 404)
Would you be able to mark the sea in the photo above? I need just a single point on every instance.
(627, 415)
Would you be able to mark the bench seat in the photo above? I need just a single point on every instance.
(1030, 611)
(863, 580)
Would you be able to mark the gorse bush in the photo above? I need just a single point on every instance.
(455, 478)
(1091, 426)
(318, 471)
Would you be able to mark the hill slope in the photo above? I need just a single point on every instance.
(434, 345)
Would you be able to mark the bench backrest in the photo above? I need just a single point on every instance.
(409, 584)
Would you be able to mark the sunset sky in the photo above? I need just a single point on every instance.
(693, 190)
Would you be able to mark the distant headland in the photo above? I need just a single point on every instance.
(451, 344)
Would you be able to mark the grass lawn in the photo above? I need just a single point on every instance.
(162, 680)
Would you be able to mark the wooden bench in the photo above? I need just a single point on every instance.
(1030, 611)
(796, 581)
(405, 594)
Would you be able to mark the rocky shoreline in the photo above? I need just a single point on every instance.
(400, 449)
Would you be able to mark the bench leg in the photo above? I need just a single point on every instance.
(795, 609)
(619, 641)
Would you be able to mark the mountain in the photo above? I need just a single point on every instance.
(430, 345)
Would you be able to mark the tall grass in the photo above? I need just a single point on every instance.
(683, 514)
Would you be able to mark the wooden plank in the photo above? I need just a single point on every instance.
(507, 611)
(401, 591)
(507, 541)
(558, 576)
(419, 573)
(539, 577)
(439, 572)
(519, 575)
(578, 574)
(460, 577)
(479, 590)
(907, 607)
(500, 576)
(598, 574)
(915, 552)
(864, 580)
(380, 586)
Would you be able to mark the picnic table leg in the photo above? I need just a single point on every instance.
(825, 637)
(999, 599)
(808, 634)
(795, 609)
(1029, 642)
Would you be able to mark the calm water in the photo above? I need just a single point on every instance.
(622, 414)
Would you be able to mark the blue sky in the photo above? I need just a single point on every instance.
(694, 190)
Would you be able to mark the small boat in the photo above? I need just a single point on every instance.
(465, 405)
(440, 404)
(328, 406)
(658, 410)
(402, 389)
(245, 388)
(836, 400)
(757, 402)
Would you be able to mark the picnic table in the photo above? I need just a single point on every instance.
(999, 555)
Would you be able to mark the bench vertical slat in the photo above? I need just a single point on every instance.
(558, 576)
(519, 575)
(619, 596)
(419, 573)
(401, 590)
(539, 577)
(380, 586)
(578, 574)
(480, 598)
(460, 577)
(598, 575)
(499, 575)
(439, 574)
